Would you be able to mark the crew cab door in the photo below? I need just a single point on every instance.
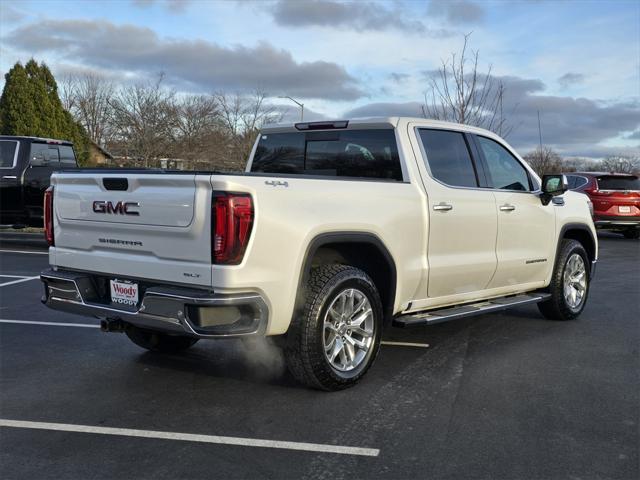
(10, 195)
(43, 159)
(462, 216)
(526, 228)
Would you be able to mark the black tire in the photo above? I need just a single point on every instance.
(633, 233)
(159, 342)
(557, 307)
(304, 348)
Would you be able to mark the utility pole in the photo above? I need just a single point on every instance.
(301, 105)
(540, 135)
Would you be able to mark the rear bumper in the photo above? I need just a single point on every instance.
(602, 221)
(170, 309)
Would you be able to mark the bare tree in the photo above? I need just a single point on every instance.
(67, 90)
(579, 164)
(544, 161)
(242, 116)
(198, 136)
(621, 164)
(89, 102)
(459, 93)
(145, 120)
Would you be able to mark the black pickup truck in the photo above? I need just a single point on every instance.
(26, 164)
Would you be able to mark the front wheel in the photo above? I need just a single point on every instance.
(335, 340)
(569, 286)
(159, 342)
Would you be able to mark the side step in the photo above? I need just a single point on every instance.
(431, 317)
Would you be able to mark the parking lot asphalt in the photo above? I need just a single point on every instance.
(506, 395)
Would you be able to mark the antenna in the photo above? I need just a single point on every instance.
(539, 130)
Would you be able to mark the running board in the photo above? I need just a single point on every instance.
(469, 310)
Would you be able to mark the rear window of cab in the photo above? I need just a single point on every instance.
(611, 182)
(371, 153)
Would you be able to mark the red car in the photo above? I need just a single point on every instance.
(615, 198)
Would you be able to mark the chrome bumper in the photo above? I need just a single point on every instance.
(165, 308)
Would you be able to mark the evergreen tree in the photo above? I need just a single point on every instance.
(30, 106)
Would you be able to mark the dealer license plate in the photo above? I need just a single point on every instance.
(624, 209)
(124, 293)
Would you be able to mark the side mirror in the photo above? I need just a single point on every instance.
(552, 186)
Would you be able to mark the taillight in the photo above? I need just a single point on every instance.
(48, 216)
(232, 217)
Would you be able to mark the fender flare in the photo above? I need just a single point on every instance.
(346, 237)
(583, 227)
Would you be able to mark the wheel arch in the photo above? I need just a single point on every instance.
(583, 234)
(362, 250)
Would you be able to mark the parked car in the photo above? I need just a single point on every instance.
(615, 198)
(335, 228)
(26, 164)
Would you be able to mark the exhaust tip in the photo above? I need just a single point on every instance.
(112, 325)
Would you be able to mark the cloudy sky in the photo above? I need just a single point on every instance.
(576, 62)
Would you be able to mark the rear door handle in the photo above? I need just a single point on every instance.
(507, 208)
(442, 207)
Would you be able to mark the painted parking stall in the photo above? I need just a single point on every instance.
(75, 399)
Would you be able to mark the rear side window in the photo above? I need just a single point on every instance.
(345, 153)
(67, 157)
(8, 150)
(576, 181)
(618, 183)
(505, 171)
(581, 181)
(44, 155)
(448, 157)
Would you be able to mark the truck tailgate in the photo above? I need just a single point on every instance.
(140, 225)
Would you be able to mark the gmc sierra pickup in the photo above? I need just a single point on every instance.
(334, 229)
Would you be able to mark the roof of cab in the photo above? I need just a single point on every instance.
(37, 139)
(372, 122)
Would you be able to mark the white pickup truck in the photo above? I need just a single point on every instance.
(334, 228)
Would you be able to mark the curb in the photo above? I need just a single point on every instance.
(33, 240)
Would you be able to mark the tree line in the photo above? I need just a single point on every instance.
(149, 124)
(146, 124)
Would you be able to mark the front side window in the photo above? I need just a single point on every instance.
(369, 153)
(7, 153)
(505, 171)
(448, 157)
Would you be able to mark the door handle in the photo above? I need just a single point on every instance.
(9, 177)
(507, 208)
(442, 207)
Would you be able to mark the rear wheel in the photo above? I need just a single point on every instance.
(335, 340)
(632, 233)
(569, 286)
(159, 342)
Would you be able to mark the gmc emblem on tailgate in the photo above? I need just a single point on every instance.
(120, 208)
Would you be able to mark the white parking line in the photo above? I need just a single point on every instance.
(405, 344)
(190, 437)
(91, 325)
(29, 252)
(24, 279)
(13, 276)
(53, 324)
